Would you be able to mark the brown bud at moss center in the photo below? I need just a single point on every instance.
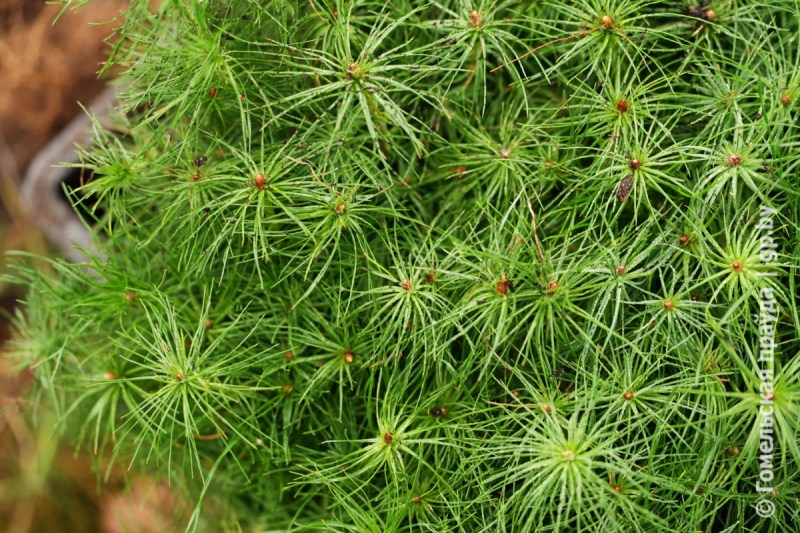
(260, 182)
(353, 71)
(475, 19)
(502, 285)
(551, 288)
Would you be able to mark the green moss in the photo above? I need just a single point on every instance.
(476, 314)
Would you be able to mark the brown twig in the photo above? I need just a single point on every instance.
(535, 235)
(509, 367)
(545, 44)
(314, 174)
(315, 9)
(208, 437)
(373, 365)
(511, 404)
(471, 76)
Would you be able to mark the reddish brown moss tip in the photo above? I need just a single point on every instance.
(260, 182)
(475, 19)
(353, 71)
(502, 285)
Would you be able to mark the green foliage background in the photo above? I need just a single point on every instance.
(371, 266)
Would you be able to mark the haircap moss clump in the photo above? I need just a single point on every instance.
(392, 266)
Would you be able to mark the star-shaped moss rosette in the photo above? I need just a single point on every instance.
(450, 266)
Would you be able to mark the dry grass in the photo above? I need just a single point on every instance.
(46, 70)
